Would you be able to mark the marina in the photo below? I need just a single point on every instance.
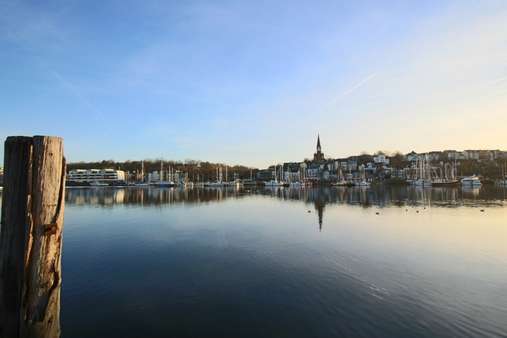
(438, 168)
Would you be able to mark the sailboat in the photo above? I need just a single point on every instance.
(228, 183)
(362, 182)
(140, 181)
(275, 182)
(447, 176)
(423, 174)
(251, 181)
(161, 183)
(341, 182)
(219, 182)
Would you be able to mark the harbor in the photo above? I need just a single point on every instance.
(253, 169)
(470, 168)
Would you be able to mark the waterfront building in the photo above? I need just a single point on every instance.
(96, 175)
(352, 164)
(454, 155)
(498, 154)
(472, 154)
(412, 156)
(292, 172)
(434, 156)
(265, 174)
(486, 155)
(381, 159)
(313, 171)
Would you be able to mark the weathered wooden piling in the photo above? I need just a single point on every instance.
(31, 237)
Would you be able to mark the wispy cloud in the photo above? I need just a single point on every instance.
(358, 85)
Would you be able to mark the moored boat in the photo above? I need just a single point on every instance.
(163, 184)
(98, 184)
(471, 181)
(273, 183)
(444, 182)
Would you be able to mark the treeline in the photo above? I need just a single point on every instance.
(202, 171)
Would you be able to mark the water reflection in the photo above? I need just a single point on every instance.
(251, 263)
(380, 196)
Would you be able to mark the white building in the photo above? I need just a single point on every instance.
(381, 159)
(472, 154)
(412, 156)
(313, 171)
(453, 155)
(96, 175)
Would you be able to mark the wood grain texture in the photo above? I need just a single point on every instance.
(17, 185)
(34, 219)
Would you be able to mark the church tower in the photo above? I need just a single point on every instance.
(318, 156)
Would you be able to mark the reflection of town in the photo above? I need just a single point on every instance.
(383, 196)
(317, 198)
(147, 196)
(380, 196)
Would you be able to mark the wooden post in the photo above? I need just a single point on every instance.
(31, 237)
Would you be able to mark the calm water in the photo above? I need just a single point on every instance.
(401, 262)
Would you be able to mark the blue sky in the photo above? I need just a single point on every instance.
(253, 82)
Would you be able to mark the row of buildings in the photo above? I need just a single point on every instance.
(376, 167)
(455, 155)
(85, 177)
(319, 169)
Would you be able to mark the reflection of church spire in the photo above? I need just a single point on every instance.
(319, 206)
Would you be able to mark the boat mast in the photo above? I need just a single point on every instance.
(142, 171)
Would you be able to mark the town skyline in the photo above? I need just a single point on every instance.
(319, 156)
(438, 167)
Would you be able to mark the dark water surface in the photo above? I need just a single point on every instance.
(381, 262)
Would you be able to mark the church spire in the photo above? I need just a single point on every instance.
(318, 156)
